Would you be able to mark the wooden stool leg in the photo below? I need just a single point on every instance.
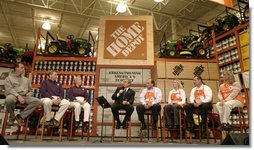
(127, 131)
(43, 125)
(61, 129)
(38, 124)
(26, 127)
(18, 132)
(129, 128)
(113, 130)
(160, 126)
(88, 130)
(200, 135)
(240, 119)
(4, 123)
(180, 122)
(71, 126)
(148, 126)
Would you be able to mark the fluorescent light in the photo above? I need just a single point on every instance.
(121, 7)
(158, 1)
(46, 25)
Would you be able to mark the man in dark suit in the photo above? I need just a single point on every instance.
(124, 98)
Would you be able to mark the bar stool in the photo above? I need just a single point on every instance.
(148, 113)
(54, 109)
(239, 112)
(128, 124)
(182, 126)
(71, 130)
(209, 115)
(21, 107)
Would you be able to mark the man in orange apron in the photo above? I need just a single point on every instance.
(230, 97)
(200, 98)
(150, 99)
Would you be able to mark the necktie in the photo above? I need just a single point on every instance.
(124, 92)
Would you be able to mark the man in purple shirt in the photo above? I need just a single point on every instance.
(52, 94)
(78, 97)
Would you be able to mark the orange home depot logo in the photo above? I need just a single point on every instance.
(125, 39)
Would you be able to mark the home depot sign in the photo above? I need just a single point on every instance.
(125, 39)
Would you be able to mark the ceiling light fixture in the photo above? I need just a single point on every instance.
(121, 7)
(158, 1)
(46, 25)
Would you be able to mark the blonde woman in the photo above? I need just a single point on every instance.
(230, 97)
(176, 100)
(78, 97)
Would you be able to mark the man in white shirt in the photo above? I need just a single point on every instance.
(150, 99)
(200, 98)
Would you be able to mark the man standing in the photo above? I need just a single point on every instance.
(150, 99)
(18, 89)
(52, 93)
(200, 98)
(124, 98)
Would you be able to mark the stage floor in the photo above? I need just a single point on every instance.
(95, 141)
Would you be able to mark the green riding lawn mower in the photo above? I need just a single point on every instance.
(10, 53)
(226, 23)
(75, 46)
(187, 46)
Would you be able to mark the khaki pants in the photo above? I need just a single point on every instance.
(47, 106)
(11, 100)
(225, 110)
(77, 109)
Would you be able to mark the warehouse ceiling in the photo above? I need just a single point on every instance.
(20, 19)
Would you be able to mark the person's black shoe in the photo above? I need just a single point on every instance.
(118, 125)
(154, 126)
(56, 123)
(86, 126)
(10, 122)
(193, 128)
(224, 127)
(76, 124)
(177, 126)
(19, 120)
(203, 131)
(227, 127)
(143, 126)
(125, 125)
(48, 123)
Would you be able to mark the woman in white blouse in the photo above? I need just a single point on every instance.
(176, 100)
(230, 97)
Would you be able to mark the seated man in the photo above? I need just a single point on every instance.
(52, 93)
(150, 99)
(124, 98)
(78, 97)
(18, 89)
(200, 98)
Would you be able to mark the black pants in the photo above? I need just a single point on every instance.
(156, 108)
(203, 108)
(128, 108)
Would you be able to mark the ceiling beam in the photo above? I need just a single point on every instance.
(52, 9)
(86, 23)
(8, 24)
(34, 25)
(61, 20)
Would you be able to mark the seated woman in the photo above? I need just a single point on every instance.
(230, 97)
(176, 100)
(78, 97)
